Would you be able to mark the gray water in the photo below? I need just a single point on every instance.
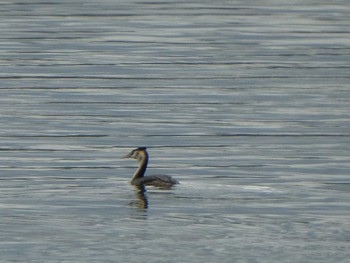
(247, 103)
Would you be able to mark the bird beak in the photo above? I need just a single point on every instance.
(127, 156)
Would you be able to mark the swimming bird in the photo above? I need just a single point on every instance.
(162, 181)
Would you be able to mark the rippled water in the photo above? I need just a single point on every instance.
(247, 103)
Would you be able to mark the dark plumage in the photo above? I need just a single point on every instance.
(163, 181)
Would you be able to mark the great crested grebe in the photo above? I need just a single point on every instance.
(141, 155)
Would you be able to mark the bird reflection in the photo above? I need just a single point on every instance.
(142, 200)
(140, 181)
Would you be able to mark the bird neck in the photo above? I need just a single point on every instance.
(142, 167)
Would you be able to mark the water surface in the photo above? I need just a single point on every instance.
(246, 103)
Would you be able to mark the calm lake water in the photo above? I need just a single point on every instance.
(247, 103)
